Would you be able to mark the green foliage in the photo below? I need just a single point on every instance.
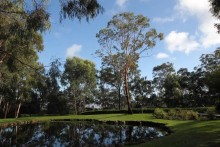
(188, 115)
(80, 79)
(21, 25)
(160, 113)
(148, 110)
(215, 9)
(174, 114)
(211, 113)
(80, 9)
(161, 73)
(126, 37)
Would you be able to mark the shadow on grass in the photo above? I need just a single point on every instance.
(191, 134)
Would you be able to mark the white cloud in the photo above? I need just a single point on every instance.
(180, 41)
(162, 56)
(73, 50)
(192, 7)
(200, 10)
(163, 20)
(121, 3)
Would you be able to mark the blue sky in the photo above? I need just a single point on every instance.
(187, 26)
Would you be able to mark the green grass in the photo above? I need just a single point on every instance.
(186, 133)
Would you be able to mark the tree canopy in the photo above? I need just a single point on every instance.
(215, 10)
(123, 41)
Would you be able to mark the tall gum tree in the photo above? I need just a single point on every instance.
(21, 25)
(79, 77)
(25, 19)
(128, 36)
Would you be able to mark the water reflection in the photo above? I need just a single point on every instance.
(79, 134)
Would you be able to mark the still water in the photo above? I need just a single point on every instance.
(76, 134)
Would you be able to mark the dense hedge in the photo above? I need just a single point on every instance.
(146, 110)
(149, 110)
(135, 110)
(35, 115)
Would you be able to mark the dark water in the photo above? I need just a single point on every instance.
(76, 134)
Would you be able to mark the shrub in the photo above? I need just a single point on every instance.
(160, 113)
(188, 115)
(174, 114)
(211, 113)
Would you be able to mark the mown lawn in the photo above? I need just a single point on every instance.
(186, 133)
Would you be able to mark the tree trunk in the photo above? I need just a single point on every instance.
(119, 98)
(74, 103)
(18, 110)
(80, 105)
(126, 90)
(84, 104)
(6, 110)
(1, 100)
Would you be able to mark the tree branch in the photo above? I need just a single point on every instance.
(22, 62)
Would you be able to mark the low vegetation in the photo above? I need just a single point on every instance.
(173, 114)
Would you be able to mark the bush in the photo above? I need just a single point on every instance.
(211, 113)
(160, 113)
(188, 115)
(174, 114)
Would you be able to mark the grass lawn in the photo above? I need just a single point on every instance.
(186, 133)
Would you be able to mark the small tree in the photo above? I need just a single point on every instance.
(80, 78)
(124, 39)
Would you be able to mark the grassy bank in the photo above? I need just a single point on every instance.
(186, 133)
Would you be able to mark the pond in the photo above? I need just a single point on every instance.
(77, 133)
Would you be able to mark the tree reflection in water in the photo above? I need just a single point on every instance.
(76, 133)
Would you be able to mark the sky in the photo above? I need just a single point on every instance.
(187, 25)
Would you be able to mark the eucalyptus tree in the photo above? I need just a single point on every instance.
(127, 37)
(56, 101)
(172, 90)
(210, 65)
(198, 89)
(110, 76)
(21, 25)
(160, 74)
(17, 89)
(141, 89)
(21, 22)
(184, 82)
(79, 77)
(19, 43)
(215, 10)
